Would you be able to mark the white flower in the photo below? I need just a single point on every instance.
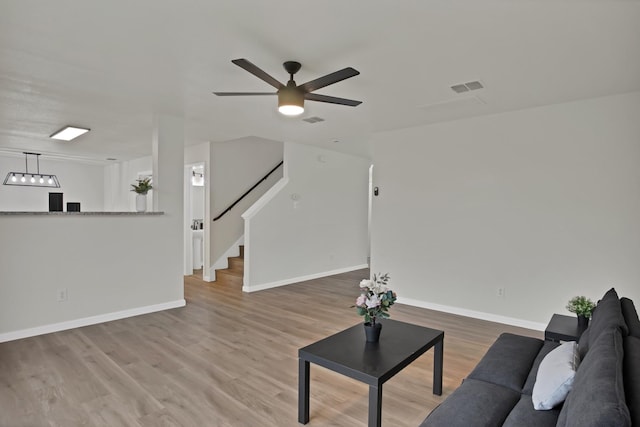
(366, 283)
(373, 301)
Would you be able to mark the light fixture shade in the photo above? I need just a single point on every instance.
(68, 133)
(30, 179)
(290, 101)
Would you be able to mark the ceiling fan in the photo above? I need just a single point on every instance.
(291, 96)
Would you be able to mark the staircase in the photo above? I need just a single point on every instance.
(235, 272)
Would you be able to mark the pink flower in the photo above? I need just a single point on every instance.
(361, 300)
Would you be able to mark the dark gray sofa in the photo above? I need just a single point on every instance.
(606, 386)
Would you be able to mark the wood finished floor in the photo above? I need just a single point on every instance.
(227, 359)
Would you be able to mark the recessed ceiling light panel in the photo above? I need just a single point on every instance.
(68, 133)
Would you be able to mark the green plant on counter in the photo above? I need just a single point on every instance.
(143, 186)
(581, 306)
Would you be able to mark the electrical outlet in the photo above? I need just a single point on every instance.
(62, 295)
(500, 292)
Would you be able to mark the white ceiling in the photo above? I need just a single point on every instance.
(110, 65)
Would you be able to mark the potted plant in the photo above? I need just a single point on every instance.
(582, 307)
(141, 188)
(374, 302)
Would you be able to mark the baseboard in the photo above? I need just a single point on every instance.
(301, 278)
(86, 321)
(474, 314)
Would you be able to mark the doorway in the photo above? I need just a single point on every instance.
(196, 227)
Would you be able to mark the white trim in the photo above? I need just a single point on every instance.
(266, 197)
(92, 320)
(223, 262)
(301, 278)
(474, 314)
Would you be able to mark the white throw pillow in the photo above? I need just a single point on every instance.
(555, 376)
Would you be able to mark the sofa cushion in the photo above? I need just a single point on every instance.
(597, 398)
(531, 379)
(630, 316)
(474, 404)
(606, 315)
(508, 361)
(523, 415)
(555, 376)
(632, 377)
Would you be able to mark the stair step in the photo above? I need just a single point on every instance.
(235, 272)
(236, 263)
(231, 272)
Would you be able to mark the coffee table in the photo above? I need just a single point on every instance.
(348, 353)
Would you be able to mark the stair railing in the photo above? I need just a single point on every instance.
(248, 191)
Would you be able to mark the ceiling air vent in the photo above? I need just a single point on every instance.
(465, 87)
(314, 119)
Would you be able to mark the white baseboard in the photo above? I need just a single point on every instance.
(270, 285)
(223, 262)
(86, 321)
(474, 314)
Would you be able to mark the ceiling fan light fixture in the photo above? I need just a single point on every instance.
(290, 101)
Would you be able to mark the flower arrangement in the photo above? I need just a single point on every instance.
(375, 298)
(143, 186)
(581, 306)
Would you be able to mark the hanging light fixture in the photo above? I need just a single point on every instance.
(29, 179)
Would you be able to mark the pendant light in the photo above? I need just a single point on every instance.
(29, 179)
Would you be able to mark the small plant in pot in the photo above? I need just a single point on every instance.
(582, 307)
(141, 189)
(374, 302)
(143, 186)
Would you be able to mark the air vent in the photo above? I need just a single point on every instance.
(465, 87)
(314, 119)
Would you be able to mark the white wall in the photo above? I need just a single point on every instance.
(118, 178)
(197, 202)
(235, 167)
(544, 202)
(78, 182)
(323, 232)
(108, 264)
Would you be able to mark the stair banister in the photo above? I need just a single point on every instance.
(248, 191)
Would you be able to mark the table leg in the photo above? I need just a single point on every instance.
(303, 391)
(437, 367)
(375, 406)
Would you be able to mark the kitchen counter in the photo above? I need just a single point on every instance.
(5, 213)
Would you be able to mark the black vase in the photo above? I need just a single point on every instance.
(583, 322)
(372, 331)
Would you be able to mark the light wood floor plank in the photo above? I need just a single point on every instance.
(227, 359)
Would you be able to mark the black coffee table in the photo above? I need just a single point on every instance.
(349, 354)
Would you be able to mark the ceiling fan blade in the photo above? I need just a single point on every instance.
(329, 79)
(331, 99)
(244, 93)
(243, 63)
